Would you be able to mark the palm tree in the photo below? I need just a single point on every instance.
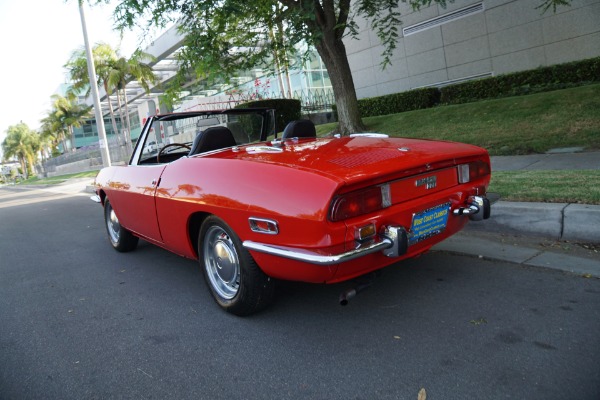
(104, 58)
(52, 133)
(67, 114)
(113, 73)
(53, 129)
(125, 70)
(41, 145)
(22, 143)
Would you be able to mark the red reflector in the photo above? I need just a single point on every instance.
(262, 225)
(478, 170)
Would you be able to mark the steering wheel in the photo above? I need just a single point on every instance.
(176, 145)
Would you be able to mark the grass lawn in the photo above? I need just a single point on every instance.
(567, 186)
(509, 126)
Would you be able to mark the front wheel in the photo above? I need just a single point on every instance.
(120, 238)
(236, 283)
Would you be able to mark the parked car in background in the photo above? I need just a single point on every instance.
(151, 147)
(254, 208)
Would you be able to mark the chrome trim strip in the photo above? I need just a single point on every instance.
(370, 135)
(313, 257)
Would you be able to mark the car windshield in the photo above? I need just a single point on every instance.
(246, 126)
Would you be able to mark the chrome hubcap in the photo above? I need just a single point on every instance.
(221, 262)
(112, 223)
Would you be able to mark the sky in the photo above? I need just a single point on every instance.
(37, 38)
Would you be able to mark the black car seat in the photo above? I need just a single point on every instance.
(213, 138)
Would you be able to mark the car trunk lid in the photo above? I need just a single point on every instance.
(354, 159)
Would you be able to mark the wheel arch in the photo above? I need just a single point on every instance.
(194, 223)
(102, 194)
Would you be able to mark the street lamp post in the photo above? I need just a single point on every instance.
(94, 85)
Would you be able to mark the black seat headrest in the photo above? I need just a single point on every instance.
(300, 128)
(213, 138)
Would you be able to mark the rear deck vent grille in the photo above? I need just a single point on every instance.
(443, 19)
(356, 160)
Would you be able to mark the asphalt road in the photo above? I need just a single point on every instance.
(81, 321)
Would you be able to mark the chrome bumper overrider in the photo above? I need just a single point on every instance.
(478, 208)
(392, 242)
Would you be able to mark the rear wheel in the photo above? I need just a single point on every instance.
(120, 238)
(236, 283)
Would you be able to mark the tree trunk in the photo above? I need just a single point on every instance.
(333, 54)
(286, 61)
(277, 64)
(112, 115)
(129, 144)
(30, 166)
(125, 136)
(72, 137)
(23, 166)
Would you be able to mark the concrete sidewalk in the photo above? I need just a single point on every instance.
(557, 159)
(526, 251)
(580, 222)
(535, 222)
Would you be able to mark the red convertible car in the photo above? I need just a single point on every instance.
(221, 187)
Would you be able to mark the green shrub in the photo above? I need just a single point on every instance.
(286, 110)
(399, 102)
(537, 80)
(541, 79)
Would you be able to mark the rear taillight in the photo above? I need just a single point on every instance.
(360, 202)
(472, 171)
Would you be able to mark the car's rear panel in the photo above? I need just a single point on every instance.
(423, 182)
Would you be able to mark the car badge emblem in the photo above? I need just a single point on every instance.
(404, 149)
(429, 182)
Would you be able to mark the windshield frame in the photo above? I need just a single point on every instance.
(266, 129)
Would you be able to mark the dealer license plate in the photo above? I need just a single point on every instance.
(429, 223)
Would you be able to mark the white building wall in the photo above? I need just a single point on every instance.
(506, 36)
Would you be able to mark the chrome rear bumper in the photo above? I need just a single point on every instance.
(392, 242)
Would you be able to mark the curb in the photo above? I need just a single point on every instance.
(563, 221)
(465, 244)
(581, 222)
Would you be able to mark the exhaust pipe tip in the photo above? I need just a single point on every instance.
(347, 295)
(351, 293)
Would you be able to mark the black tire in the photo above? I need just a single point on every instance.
(234, 279)
(120, 238)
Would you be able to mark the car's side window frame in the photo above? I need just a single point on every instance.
(139, 146)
